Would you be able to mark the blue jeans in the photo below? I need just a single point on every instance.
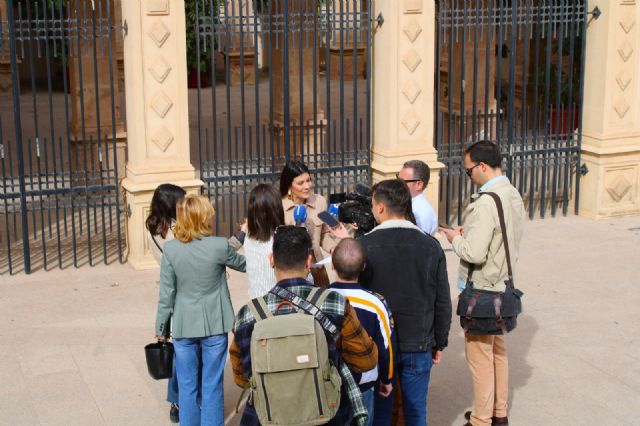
(414, 370)
(172, 385)
(214, 354)
(368, 400)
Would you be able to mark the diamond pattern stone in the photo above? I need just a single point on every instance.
(411, 122)
(159, 33)
(161, 104)
(627, 24)
(160, 69)
(625, 51)
(623, 79)
(412, 30)
(411, 60)
(619, 188)
(411, 91)
(162, 138)
(621, 107)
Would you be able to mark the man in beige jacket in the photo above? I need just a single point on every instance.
(479, 243)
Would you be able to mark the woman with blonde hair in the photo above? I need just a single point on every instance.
(193, 286)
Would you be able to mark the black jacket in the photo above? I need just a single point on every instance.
(409, 269)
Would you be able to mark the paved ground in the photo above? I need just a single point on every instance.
(71, 340)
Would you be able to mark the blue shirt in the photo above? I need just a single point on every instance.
(426, 217)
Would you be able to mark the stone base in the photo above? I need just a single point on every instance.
(98, 155)
(360, 60)
(235, 67)
(612, 185)
(5, 76)
(312, 133)
(138, 202)
(385, 165)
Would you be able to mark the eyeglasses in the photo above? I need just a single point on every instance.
(470, 170)
(407, 180)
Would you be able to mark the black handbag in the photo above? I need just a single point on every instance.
(159, 357)
(484, 312)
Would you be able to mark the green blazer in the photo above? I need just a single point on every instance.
(193, 285)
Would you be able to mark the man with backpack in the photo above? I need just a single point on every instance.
(294, 347)
(348, 260)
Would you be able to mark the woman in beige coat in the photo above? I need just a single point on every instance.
(296, 188)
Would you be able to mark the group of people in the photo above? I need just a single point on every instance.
(389, 302)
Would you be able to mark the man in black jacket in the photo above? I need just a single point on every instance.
(409, 269)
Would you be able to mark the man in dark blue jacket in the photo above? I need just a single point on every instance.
(409, 269)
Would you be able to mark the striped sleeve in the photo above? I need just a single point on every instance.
(384, 336)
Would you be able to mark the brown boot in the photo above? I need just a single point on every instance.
(500, 421)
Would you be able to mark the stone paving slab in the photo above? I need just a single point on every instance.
(71, 345)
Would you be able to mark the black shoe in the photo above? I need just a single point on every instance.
(495, 421)
(174, 413)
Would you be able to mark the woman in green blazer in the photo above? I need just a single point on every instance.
(193, 288)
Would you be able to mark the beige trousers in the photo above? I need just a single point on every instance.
(487, 359)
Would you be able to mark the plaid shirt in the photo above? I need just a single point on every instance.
(354, 346)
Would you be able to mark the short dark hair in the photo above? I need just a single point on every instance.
(348, 259)
(395, 196)
(291, 247)
(485, 152)
(163, 208)
(420, 169)
(265, 212)
(291, 170)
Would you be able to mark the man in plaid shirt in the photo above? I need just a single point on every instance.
(353, 349)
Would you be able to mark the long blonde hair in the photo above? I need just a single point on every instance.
(194, 215)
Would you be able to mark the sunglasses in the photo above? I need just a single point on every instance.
(406, 180)
(470, 170)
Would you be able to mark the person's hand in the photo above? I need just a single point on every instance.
(451, 233)
(436, 356)
(340, 231)
(385, 389)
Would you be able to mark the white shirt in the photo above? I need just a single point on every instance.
(260, 274)
(426, 217)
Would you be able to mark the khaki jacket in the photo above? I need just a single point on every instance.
(321, 237)
(481, 242)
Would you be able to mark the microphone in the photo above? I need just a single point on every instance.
(300, 215)
(363, 189)
(334, 210)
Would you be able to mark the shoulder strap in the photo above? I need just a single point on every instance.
(309, 307)
(503, 228)
(156, 243)
(259, 309)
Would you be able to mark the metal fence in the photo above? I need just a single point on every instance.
(61, 135)
(512, 71)
(275, 80)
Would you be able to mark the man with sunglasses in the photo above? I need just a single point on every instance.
(479, 244)
(415, 174)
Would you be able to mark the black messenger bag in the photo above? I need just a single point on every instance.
(484, 312)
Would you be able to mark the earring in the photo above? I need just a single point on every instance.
(289, 194)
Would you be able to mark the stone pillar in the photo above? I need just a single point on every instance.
(306, 126)
(89, 61)
(611, 112)
(5, 60)
(238, 48)
(345, 39)
(403, 115)
(157, 112)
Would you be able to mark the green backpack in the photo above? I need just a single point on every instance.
(292, 379)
